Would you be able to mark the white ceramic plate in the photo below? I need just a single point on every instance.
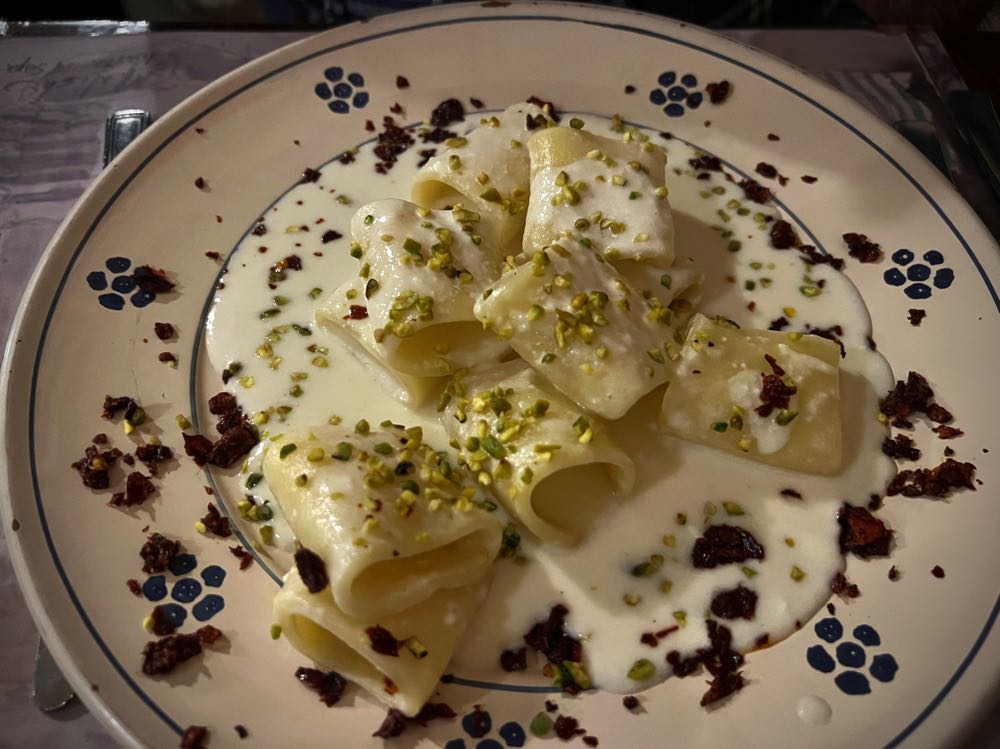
(267, 121)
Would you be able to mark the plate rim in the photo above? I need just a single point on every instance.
(108, 186)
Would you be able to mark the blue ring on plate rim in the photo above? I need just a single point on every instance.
(906, 732)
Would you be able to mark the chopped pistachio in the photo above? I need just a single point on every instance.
(267, 534)
(183, 422)
(719, 426)
(415, 647)
(641, 670)
(253, 479)
(302, 479)
(362, 427)
(790, 542)
(540, 725)
(275, 631)
(315, 454)
(383, 448)
(682, 518)
(666, 586)
(797, 574)
(576, 123)
(632, 599)
(732, 508)
(785, 417)
(749, 572)
(287, 449)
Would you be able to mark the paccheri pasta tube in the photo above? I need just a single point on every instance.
(608, 194)
(576, 319)
(411, 306)
(398, 658)
(486, 171)
(773, 397)
(393, 520)
(551, 465)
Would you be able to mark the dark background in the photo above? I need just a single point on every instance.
(969, 29)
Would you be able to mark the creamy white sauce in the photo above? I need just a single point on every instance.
(672, 476)
(813, 710)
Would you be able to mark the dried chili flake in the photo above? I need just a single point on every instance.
(194, 737)
(946, 432)
(725, 544)
(566, 727)
(905, 399)
(815, 257)
(402, 82)
(391, 142)
(163, 330)
(737, 603)
(309, 175)
(215, 522)
(550, 638)
(134, 587)
(382, 641)
(900, 447)
(243, 555)
(862, 533)
(241, 731)
(779, 323)
(167, 358)
(916, 316)
(718, 92)
(590, 740)
(938, 413)
(95, 466)
(312, 570)
(152, 455)
(330, 235)
(329, 685)
(152, 280)
(893, 573)
(782, 235)
(138, 488)
(766, 170)
(755, 191)
(808, 179)
(357, 312)
(447, 112)
(774, 393)
(706, 163)
(934, 482)
(158, 552)
(393, 725)
(114, 404)
(197, 447)
(772, 136)
(861, 248)
(631, 702)
(426, 154)
(162, 656)
(232, 445)
(791, 493)
(550, 706)
(161, 624)
(259, 230)
(222, 403)
(937, 571)
(844, 587)
(514, 660)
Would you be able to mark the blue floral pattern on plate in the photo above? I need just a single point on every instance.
(186, 591)
(914, 276)
(852, 655)
(122, 284)
(676, 94)
(341, 91)
(478, 724)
